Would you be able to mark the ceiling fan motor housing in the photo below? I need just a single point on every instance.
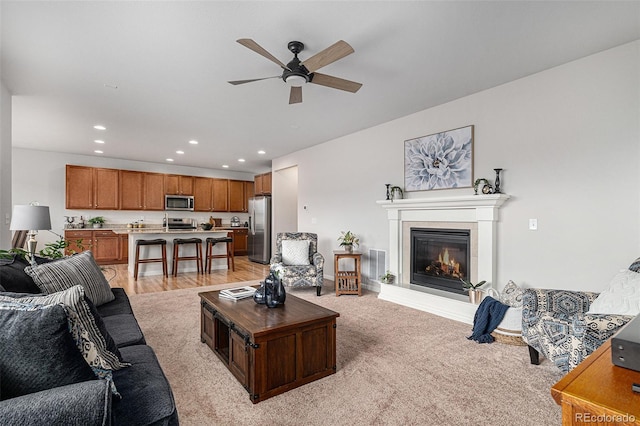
(296, 74)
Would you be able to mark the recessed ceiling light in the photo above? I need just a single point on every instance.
(97, 151)
(241, 160)
(225, 166)
(98, 141)
(169, 159)
(99, 127)
(179, 152)
(261, 152)
(193, 142)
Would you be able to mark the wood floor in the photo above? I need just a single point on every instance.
(245, 270)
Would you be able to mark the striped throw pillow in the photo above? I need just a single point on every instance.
(73, 270)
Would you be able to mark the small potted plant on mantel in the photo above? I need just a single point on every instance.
(348, 240)
(475, 293)
(96, 222)
(388, 278)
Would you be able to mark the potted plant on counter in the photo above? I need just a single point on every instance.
(96, 222)
(348, 240)
(475, 293)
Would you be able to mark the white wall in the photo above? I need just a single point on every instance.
(5, 165)
(568, 140)
(284, 201)
(40, 176)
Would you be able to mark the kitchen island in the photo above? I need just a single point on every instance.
(147, 269)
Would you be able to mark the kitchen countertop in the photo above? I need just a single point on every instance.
(120, 229)
(170, 231)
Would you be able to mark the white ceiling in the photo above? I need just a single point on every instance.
(171, 62)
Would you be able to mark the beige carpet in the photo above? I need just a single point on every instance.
(396, 366)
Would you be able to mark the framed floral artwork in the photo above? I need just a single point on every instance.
(439, 161)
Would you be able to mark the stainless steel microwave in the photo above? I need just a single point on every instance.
(178, 202)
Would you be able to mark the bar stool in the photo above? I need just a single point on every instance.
(177, 242)
(212, 241)
(157, 242)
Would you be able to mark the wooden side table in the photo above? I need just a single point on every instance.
(348, 281)
(598, 392)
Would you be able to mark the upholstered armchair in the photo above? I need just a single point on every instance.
(555, 323)
(298, 258)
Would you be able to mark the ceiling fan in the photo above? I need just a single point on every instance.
(297, 73)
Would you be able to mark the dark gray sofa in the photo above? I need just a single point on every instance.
(147, 398)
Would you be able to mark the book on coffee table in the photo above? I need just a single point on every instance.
(237, 292)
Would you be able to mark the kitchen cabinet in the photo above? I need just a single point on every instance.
(179, 184)
(79, 241)
(248, 193)
(105, 187)
(113, 189)
(131, 190)
(91, 188)
(123, 256)
(153, 191)
(263, 184)
(220, 195)
(239, 193)
(141, 191)
(79, 187)
(203, 194)
(240, 242)
(107, 247)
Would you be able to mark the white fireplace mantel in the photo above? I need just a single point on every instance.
(477, 212)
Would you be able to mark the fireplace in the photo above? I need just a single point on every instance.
(440, 258)
(478, 213)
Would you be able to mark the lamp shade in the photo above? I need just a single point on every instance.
(27, 218)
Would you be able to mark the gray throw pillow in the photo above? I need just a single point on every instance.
(635, 265)
(84, 330)
(73, 270)
(37, 351)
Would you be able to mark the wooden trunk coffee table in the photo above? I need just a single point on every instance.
(270, 351)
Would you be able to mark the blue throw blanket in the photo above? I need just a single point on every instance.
(488, 316)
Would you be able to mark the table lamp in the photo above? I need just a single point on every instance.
(32, 218)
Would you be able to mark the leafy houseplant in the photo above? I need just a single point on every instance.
(53, 250)
(348, 239)
(475, 293)
(388, 278)
(97, 221)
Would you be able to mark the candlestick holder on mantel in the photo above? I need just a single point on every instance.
(496, 190)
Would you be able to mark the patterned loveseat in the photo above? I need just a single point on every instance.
(300, 275)
(555, 323)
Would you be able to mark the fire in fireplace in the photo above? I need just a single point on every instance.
(440, 258)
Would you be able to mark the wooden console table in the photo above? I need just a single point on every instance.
(598, 392)
(270, 351)
(348, 281)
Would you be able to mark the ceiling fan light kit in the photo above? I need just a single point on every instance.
(296, 73)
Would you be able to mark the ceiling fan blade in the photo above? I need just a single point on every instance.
(236, 82)
(336, 51)
(295, 96)
(247, 42)
(335, 82)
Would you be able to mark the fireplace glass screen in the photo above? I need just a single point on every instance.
(440, 258)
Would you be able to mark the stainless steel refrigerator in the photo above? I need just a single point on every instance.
(260, 229)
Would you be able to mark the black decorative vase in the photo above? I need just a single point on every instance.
(274, 293)
(258, 296)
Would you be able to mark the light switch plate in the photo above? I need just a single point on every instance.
(533, 224)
